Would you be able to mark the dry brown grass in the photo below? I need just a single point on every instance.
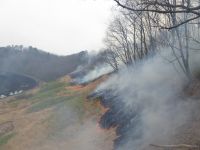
(33, 130)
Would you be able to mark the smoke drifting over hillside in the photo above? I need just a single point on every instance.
(37, 63)
(93, 74)
(93, 69)
(146, 104)
(66, 132)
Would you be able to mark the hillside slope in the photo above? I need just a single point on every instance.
(37, 63)
(55, 116)
(14, 83)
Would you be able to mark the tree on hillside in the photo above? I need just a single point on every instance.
(138, 31)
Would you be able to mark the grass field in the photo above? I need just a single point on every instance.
(53, 116)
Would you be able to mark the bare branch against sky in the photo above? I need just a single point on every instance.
(58, 26)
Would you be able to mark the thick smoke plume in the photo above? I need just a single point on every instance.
(93, 69)
(146, 104)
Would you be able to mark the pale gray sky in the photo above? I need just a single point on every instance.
(57, 26)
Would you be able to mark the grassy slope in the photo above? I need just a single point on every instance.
(54, 116)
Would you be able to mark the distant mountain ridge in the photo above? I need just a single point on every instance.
(38, 64)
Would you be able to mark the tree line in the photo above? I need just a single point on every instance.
(38, 64)
(141, 28)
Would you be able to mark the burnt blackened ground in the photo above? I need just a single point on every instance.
(124, 119)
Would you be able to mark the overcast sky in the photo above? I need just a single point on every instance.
(57, 26)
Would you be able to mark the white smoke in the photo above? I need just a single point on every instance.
(67, 131)
(155, 88)
(95, 73)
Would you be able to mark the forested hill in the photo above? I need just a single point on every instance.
(37, 63)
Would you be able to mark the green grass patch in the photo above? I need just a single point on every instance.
(46, 104)
(5, 138)
(52, 86)
(48, 96)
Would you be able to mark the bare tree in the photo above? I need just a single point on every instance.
(150, 16)
(163, 7)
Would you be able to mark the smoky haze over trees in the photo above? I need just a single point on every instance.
(142, 27)
(94, 68)
(38, 64)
